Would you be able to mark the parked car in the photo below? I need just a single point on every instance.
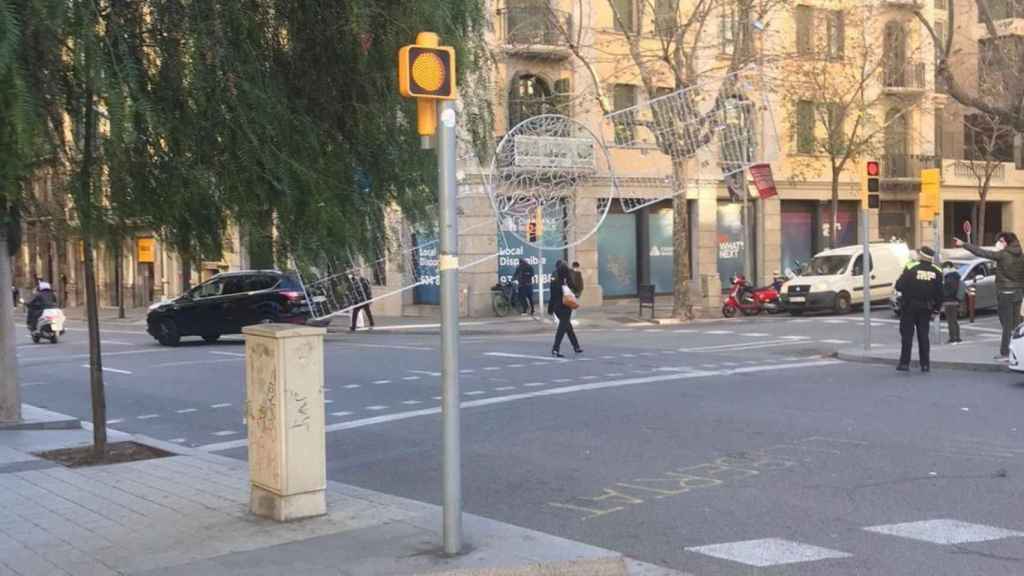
(834, 279)
(228, 302)
(978, 275)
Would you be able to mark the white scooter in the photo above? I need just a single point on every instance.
(49, 326)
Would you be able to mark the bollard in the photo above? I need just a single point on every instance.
(284, 385)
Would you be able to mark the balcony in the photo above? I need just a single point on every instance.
(909, 4)
(537, 31)
(907, 166)
(906, 79)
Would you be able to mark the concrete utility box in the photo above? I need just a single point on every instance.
(284, 407)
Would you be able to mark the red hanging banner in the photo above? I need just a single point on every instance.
(763, 180)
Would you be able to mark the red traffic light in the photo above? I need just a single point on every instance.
(873, 168)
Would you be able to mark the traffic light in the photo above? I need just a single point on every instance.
(871, 186)
(535, 227)
(930, 198)
(426, 72)
(531, 231)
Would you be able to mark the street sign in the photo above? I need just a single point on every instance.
(147, 250)
(929, 200)
(967, 227)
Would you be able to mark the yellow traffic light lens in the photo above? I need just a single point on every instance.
(428, 71)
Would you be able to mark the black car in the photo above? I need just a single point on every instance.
(226, 303)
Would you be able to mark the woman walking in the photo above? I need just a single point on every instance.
(557, 307)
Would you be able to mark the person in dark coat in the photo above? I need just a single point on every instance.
(577, 280)
(1009, 259)
(562, 277)
(524, 276)
(952, 294)
(361, 296)
(921, 287)
(43, 299)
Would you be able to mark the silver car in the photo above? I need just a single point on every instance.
(978, 275)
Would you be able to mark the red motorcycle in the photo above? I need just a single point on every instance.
(750, 301)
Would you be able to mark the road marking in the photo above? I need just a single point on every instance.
(542, 363)
(795, 338)
(194, 362)
(177, 440)
(377, 407)
(419, 326)
(628, 355)
(475, 392)
(425, 372)
(410, 378)
(225, 433)
(147, 416)
(116, 343)
(614, 374)
(106, 369)
(768, 552)
(223, 405)
(115, 421)
(754, 334)
(730, 347)
(527, 356)
(684, 331)
(105, 354)
(340, 414)
(560, 380)
(945, 531)
(830, 341)
(534, 384)
(386, 346)
(234, 354)
(504, 388)
(382, 381)
(350, 386)
(492, 368)
(187, 410)
(514, 366)
(466, 371)
(719, 332)
(411, 402)
(542, 393)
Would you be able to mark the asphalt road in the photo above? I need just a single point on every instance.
(716, 448)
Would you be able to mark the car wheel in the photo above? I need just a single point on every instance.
(796, 312)
(211, 338)
(843, 305)
(169, 335)
(268, 318)
(53, 339)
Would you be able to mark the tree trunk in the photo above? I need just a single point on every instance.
(186, 271)
(119, 277)
(87, 216)
(979, 235)
(681, 305)
(10, 400)
(833, 235)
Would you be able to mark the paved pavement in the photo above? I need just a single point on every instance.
(187, 514)
(712, 448)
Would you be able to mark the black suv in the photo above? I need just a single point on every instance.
(226, 303)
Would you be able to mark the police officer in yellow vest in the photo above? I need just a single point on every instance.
(921, 288)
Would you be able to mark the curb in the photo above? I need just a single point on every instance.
(36, 418)
(914, 364)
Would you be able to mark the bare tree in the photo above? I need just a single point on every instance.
(1000, 90)
(846, 96)
(989, 144)
(674, 45)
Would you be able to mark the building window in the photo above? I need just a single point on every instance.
(530, 96)
(665, 14)
(805, 127)
(940, 4)
(895, 54)
(625, 21)
(835, 31)
(625, 96)
(727, 29)
(836, 118)
(897, 143)
(805, 30)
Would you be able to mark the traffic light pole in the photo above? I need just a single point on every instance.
(449, 271)
(866, 270)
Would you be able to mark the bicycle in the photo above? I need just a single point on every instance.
(503, 298)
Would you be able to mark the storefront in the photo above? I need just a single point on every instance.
(636, 248)
(807, 229)
(956, 213)
(896, 221)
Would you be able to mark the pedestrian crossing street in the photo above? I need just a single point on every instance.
(773, 551)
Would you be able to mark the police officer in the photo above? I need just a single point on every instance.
(921, 289)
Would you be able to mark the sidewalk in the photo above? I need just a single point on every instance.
(188, 515)
(974, 354)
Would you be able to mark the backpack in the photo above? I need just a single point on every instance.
(961, 289)
(952, 287)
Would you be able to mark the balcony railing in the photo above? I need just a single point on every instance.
(974, 168)
(908, 77)
(903, 3)
(907, 165)
(535, 24)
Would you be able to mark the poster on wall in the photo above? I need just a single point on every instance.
(731, 248)
(662, 249)
(511, 248)
(424, 267)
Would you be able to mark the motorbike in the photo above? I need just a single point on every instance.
(751, 301)
(49, 326)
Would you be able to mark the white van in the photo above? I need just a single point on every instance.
(833, 279)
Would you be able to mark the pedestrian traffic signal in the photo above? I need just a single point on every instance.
(871, 186)
(426, 70)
